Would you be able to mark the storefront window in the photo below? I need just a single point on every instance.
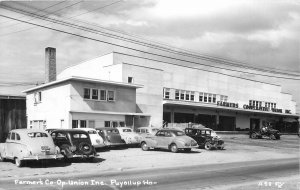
(166, 93)
(209, 97)
(187, 95)
(111, 95)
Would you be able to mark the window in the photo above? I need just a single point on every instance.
(223, 98)
(192, 96)
(205, 97)
(275, 105)
(30, 124)
(209, 97)
(187, 95)
(74, 124)
(201, 96)
(176, 94)
(91, 124)
(110, 95)
(214, 98)
(13, 136)
(80, 136)
(166, 93)
(37, 97)
(8, 136)
(95, 94)
(102, 94)
(122, 124)
(114, 124)
(182, 93)
(106, 123)
(18, 137)
(82, 123)
(250, 102)
(62, 123)
(87, 93)
(130, 79)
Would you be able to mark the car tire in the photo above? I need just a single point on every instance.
(18, 162)
(253, 136)
(144, 146)
(272, 137)
(207, 146)
(278, 137)
(174, 148)
(85, 148)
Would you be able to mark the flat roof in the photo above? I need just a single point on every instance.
(6, 96)
(84, 79)
(111, 113)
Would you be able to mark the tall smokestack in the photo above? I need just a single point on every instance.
(50, 64)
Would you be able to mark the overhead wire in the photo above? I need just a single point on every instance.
(219, 60)
(185, 53)
(110, 43)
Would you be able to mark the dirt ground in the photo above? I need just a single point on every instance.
(238, 148)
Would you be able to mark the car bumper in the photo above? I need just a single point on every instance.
(44, 157)
(99, 145)
(115, 144)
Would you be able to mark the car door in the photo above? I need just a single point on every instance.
(202, 137)
(164, 139)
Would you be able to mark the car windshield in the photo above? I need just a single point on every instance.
(37, 134)
(179, 133)
(127, 130)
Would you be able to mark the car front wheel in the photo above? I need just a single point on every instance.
(207, 146)
(18, 162)
(144, 146)
(174, 148)
(253, 136)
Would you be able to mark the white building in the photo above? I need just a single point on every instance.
(147, 91)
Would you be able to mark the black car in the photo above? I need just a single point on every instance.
(205, 137)
(74, 143)
(265, 132)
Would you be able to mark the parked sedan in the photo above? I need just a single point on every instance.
(171, 139)
(205, 137)
(111, 136)
(129, 136)
(146, 131)
(74, 143)
(97, 140)
(28, 144)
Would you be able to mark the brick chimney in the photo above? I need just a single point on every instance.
(50, 64)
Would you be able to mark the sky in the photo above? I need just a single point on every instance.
(257, 33)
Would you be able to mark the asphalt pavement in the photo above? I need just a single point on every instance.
(212, 176)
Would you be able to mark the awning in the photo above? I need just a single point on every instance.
(217, 107)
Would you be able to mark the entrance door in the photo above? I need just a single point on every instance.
(254, 124)
(226, 123)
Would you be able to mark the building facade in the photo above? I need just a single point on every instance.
(160, 93)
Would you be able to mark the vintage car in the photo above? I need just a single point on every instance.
(146, 131)
(171, 139)
(265, 132)
(74, 143)
(96, 139)
(129, 136)
(205, 137)
(28, 144)
(111, 136)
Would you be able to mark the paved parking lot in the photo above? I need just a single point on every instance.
(238, 148)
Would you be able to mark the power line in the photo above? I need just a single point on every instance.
(37, 11)
(81, 36)
(219, 60)
(185, 53)
(47, 13)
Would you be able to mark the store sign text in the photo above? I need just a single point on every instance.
(228, 104)
(262, 108)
